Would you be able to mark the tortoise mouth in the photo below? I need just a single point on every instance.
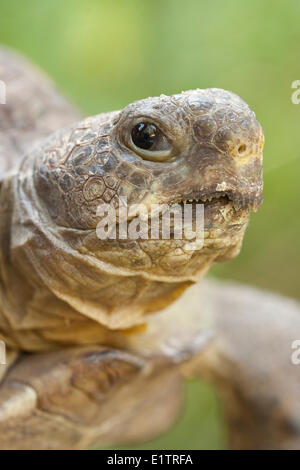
(222, 198)
(208, 200)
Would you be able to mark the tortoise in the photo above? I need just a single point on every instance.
(100, 333)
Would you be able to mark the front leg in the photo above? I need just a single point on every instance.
(94, 395)
(79, 397)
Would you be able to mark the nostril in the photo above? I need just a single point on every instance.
(242, 149)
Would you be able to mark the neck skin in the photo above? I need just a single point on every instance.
(52, 294)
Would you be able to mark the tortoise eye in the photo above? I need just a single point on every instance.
(144, 134)
(149, 142)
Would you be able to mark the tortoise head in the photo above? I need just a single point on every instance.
(201, 147)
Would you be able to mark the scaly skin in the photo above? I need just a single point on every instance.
(94, 394)
(60, 282)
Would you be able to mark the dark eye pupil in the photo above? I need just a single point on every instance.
(143, 135)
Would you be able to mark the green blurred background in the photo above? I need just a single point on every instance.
(104, 54)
